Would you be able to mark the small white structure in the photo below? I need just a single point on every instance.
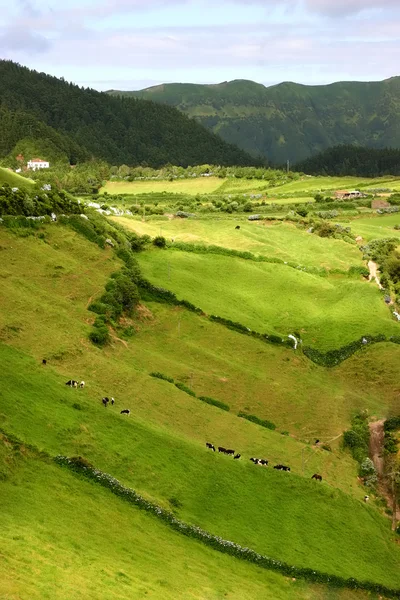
(37, 163)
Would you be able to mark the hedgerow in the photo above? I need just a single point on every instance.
(185, 388)
(331, 358)
(214, 402)
(262, 422)
(162, 376)
(80, 466)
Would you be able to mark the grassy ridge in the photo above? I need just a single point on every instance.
(140, 556)
(279, 239)
(254, 507)
(328, 312)
(14, 179)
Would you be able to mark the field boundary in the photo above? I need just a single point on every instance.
(330, 358)
(82, 467)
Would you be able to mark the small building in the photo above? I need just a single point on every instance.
(348, 194)
(38, 163)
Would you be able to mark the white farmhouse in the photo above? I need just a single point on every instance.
(37, 163)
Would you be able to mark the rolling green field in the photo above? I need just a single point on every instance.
(14, 179)
(138, 557)
(273, 238)
(381, 226)
(329, 312)
(305, 187)
(47, 284)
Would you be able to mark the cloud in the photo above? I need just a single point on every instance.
(19, 39)
(346, 7)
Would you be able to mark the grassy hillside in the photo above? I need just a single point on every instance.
(329, 312)
(89, 123)
(15, 180)
(48, 282)
(138, 558)
(289, 121)
(264, 238)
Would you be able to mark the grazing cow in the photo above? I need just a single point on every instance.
(126, 411)
(112, 401)
(221, 449)
(44, 362)
(230, 452)
(211, 446)
(237, 227)
(82, 385)
(105, 401)
(72, 383)
(263, 462)
(254, 460)
(282, 468)
(316, 442)
(366, 498)
(237, 456)
(317, 477)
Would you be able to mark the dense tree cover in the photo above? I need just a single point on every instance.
(290, 121)
(14, 201)
(353, 160)
(83, 122)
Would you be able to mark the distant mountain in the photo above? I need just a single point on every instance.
(70, 123)
(289, 121)
(353, 160)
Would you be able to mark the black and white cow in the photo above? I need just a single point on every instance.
(126, 411)
(211, 446)
(72, 383)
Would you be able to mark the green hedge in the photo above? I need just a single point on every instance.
(262, 422)
(214, 402)
(82, 467)
(185, 388)
(162, 376)
(331, 358)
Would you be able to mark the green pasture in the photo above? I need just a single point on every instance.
(14, 179)
(379, 226)
(330, 184)
(65, 538)
(56, 278)
(329, 312)
(274, 238)
(280, 514)
(198, 185)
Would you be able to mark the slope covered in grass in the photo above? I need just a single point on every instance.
(273, 238)
(253, 506)
(14, 180)
(57, 542)
(329, 312)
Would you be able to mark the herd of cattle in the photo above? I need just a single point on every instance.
(257, 461)
(105, 401)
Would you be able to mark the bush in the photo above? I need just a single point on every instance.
(100, 335)
(160, 241)
(254, 419)
(214, 402)
(185, 388)
(357, 438)
(161, 376)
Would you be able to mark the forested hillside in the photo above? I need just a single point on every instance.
(290, 121)
(74, 124)
(353, 160)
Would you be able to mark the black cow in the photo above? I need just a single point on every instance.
(211, 446)
(72, 383)
(105, 401)
(230, 452)
(126, 411)
(44, 362)
(237, 227)
(282, 468)
(317, 477)
(237, 456)
(221, 449)
(316, 442)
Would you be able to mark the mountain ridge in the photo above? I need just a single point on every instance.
(289, 121)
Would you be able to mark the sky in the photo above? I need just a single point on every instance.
(132, 44)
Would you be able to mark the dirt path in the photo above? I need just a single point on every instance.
(373, 273)
(376, 437)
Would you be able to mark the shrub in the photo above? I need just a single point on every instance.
(214, 402)
(357, 438)
(100, 335)
(160, 241)
(257, 420)
(185, 388)
(161, 376)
